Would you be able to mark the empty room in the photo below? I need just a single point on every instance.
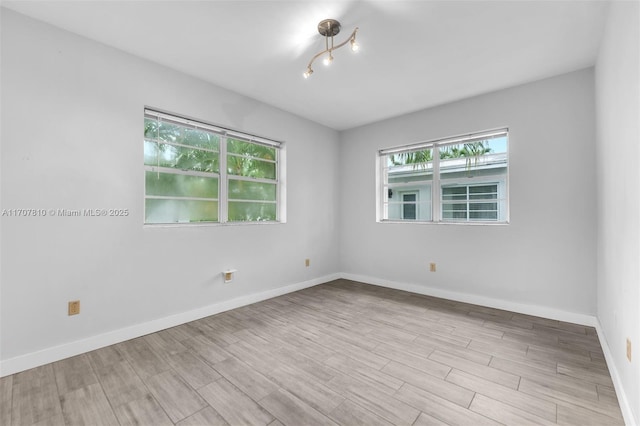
(320, 212)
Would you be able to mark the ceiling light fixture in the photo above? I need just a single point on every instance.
(328, 29)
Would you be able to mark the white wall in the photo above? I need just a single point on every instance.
(618, 152)
(72, 118)
(544, 261)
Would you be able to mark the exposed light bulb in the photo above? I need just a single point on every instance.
(327, 61)
(307, 73)
(354, 45)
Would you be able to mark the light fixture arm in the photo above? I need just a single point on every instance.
(328, 29)
(332, 48)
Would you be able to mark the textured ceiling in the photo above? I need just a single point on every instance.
(414, 54)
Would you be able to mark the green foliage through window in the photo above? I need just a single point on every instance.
(187, 162)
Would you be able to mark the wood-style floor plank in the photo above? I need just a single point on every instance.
(486, 372)
(444, 389)
(505, 413)
(339, 353)
(374, 400)
(245, 378)
(291, 410)
(6, 390)
(74, 373)
(103, 357)
(192, 369)
(35, 396)
(427, 420)
(142, 358)
(376, 378)
(440, 408)
(536, 406)
(572, 415)
(142, 411)
(120, 383)
(233, 405)
(176, 397)
(320, 396)
(422, 363)
(207, 416)
(350, 413)
(87, 406)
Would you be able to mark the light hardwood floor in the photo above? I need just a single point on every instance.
(339, 353)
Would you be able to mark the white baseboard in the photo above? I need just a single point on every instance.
(56, 353)
(534, 310)
(45, 356)
(623, 400)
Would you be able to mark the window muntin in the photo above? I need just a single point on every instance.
(198, 173)
(461, 179)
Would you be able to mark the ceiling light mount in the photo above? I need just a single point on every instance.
(328, 28)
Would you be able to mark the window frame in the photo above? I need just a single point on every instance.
(224, 178)
(435, 184)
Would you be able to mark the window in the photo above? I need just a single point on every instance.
(470, 202)
(199, 173)
(409, 206)
(461, 179)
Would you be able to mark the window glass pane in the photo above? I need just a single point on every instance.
(251, 211)
(480, 160)
(178, 157)
(180, 211)
(243, 190)
(169, 184)
(483, 215)
(244, 148)
(455, 205)
(250, 167)
(410, 158)
(150, 128)
(162, 130)
(175, 133)
(408, 177)
(462, 159)
(484, 192)
(454, 193)
(454, 211)
(200, 138)
(413, 210)
(483, 206)
(473, 159)
(150, 153)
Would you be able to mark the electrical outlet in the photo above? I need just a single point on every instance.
(432, 267)
(228, 275)
(74, 307)
(307, 262)
(629, 349)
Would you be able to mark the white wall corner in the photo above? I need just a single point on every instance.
(623, 399)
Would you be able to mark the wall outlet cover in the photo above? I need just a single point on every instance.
(74, 307)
